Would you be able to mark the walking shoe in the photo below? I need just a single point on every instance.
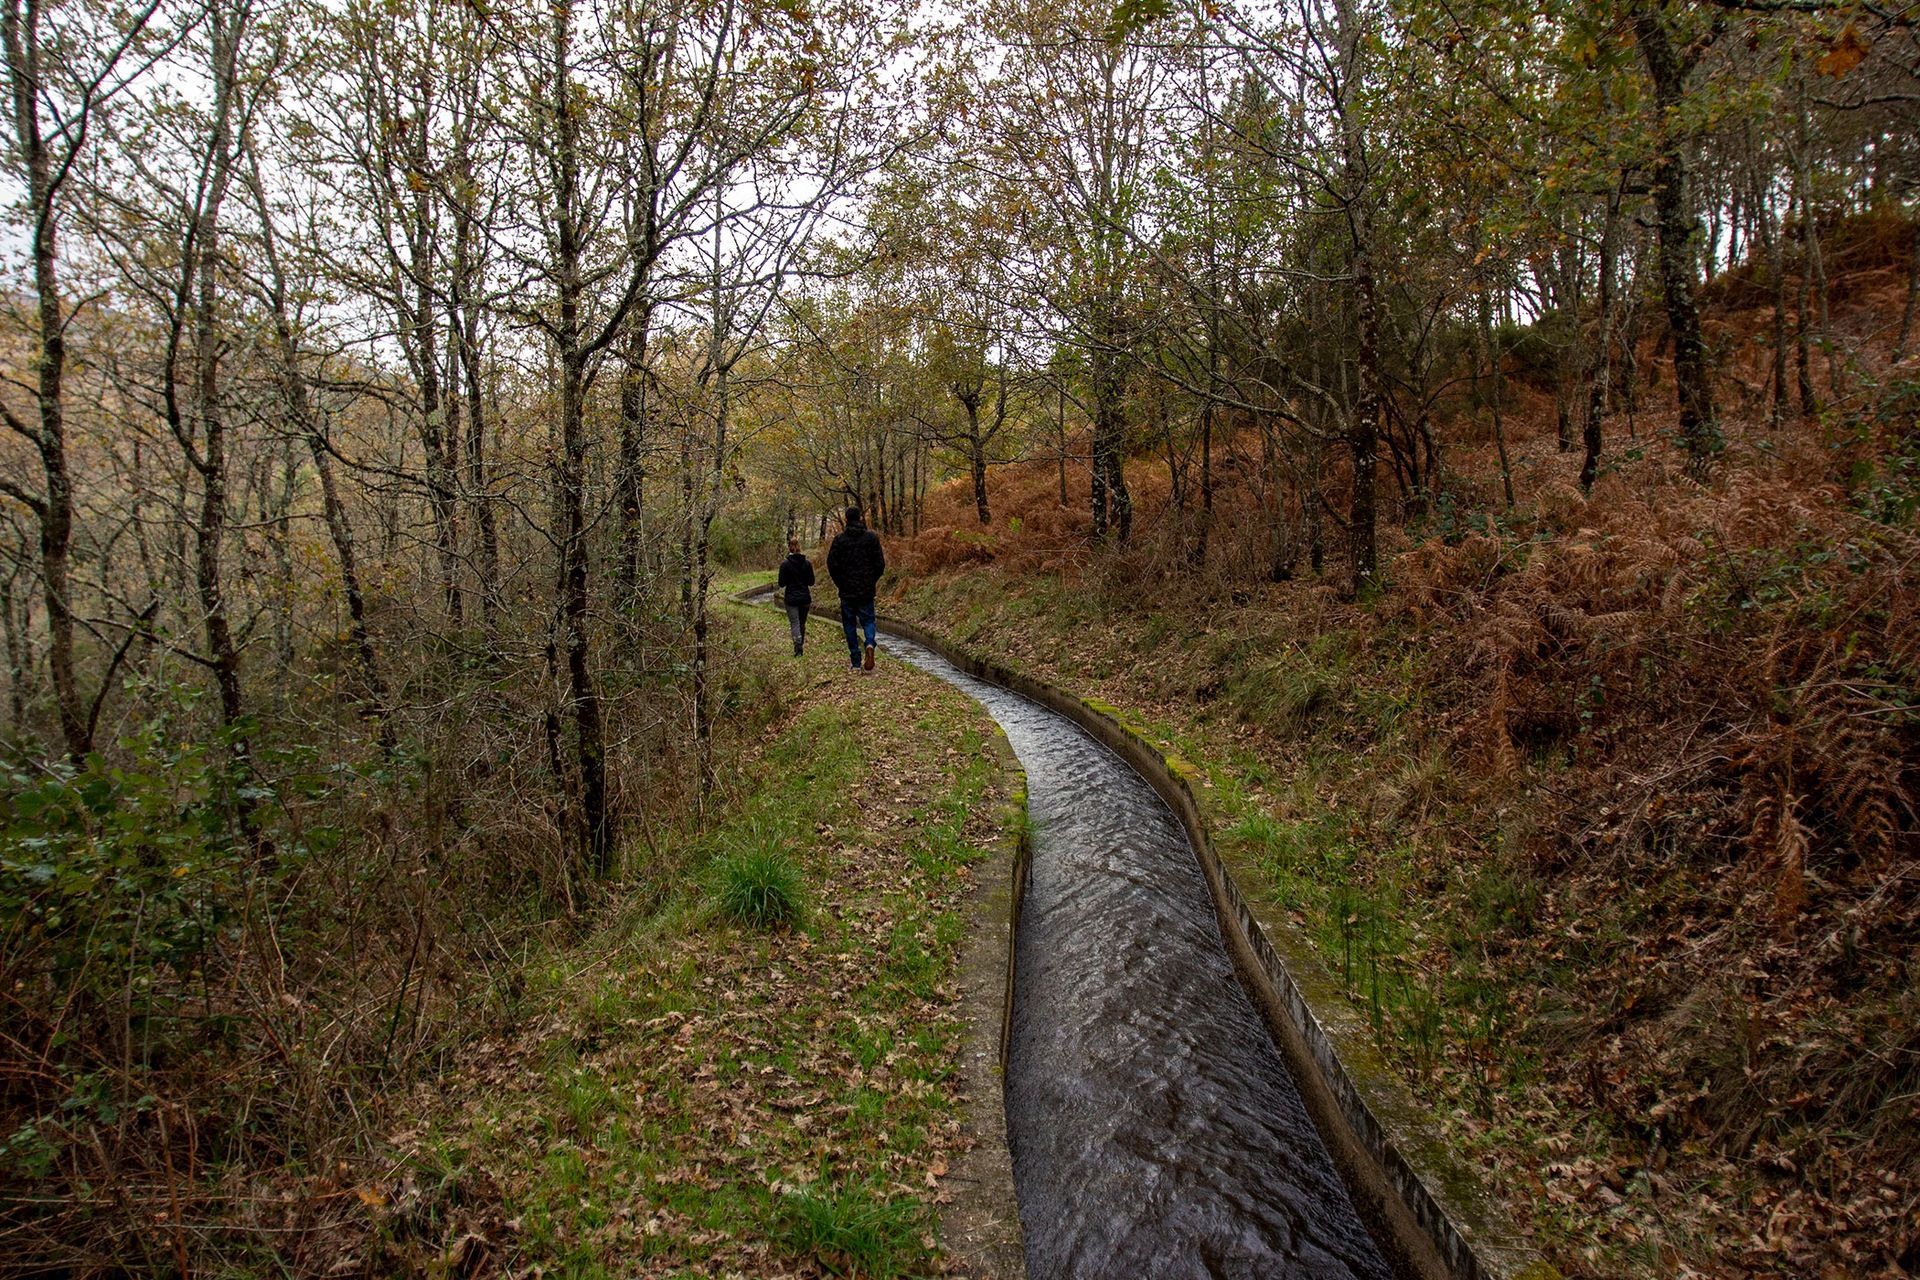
(868, 662)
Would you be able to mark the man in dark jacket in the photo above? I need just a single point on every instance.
(796, 585)
(855, 562)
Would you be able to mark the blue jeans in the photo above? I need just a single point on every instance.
(854, 617)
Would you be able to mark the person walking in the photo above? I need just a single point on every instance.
(855, 562)
(796, 586)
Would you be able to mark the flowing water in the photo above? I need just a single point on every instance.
(1155, 1132)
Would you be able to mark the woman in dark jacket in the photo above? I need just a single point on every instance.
(796, 580)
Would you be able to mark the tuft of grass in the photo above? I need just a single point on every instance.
(586, 1100)
(853, 1230)
(758, 886)
(1289, 694)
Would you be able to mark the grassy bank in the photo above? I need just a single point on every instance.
(755, 1071)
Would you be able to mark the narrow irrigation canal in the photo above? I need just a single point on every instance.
(1155, 1131)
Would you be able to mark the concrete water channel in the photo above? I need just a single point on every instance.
(1154, 1129)
(1186, 1091)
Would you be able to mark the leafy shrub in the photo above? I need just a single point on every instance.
(112, 876)
(124, 888)
(758, 886)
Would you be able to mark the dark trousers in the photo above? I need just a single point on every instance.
(797, 623)
(856, 617)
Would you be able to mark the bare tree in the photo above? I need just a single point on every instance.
(55, 105)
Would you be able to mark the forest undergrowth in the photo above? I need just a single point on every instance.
(240, 1021)
(1603, 807)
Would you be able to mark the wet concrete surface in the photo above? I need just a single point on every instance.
(1155, 1131)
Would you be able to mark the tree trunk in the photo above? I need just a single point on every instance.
(1362, 433)
(1567, 366)
(1487, 356)
(466, 380)
(54, 506)
(687, 517)
(719, 368)
(437, 434)
(1199, 556)
(877, 500)
(977, 455)
(277, 523)
(1311, 509)
(479, 493)
(594, 835)
(210, 530)
(1802, 356)
(919, 484)
(1913, 291)
(632, 477)
(1816, 262)
(1772, 234)
(1112, 504)
(1676, 229)
(1599, 353)
(17, 660)
(1281, 549)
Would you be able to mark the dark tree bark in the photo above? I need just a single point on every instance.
(1816, 262)
(1363, 431)
(970, 391)
(1363, 427)
(1771, 235)
(465, 321)
(1112, 504)
(16, 629)
(594, 824)
(200, 274)
(465, 375)
(919, 484)
(1313, 508)
(1282, 552)
(1198, 556)
(1802, 354)
(53, 505)
(1568, 364)
(1489, 355)
(631, 480)
(439, 437)
(1599, 350)
(687, 520)
(1677, 229)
